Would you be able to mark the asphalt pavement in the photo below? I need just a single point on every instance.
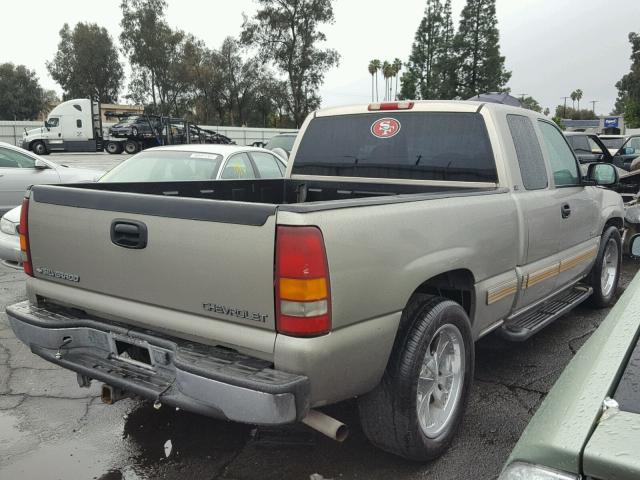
(52, 429)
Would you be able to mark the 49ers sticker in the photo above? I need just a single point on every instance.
(385, 128)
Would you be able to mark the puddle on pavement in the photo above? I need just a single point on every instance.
(133, 449)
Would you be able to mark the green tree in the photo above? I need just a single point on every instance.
(546, 111)
(87, 64)
(425, 72)
(628, 102)
(531, 103)
(574, 114)
(286, 32)
(21, 96)
(477, 43)
(573, 96)
(156, 53)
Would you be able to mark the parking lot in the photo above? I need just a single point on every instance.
(50, 428)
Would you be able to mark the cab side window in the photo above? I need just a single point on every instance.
(563, 163)
(11, 159)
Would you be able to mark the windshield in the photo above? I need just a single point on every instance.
(129, 120)
(612, 142)
(407, 145)
(284, 142)
(165, 166)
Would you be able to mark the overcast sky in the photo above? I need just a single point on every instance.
(551, 46)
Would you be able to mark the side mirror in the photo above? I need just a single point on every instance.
(634, 247)
(46, 125)
(40, 165)
(603, 174)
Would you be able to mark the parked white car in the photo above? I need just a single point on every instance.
(19, 169)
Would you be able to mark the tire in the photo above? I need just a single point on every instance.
(389, 414)
(113, 148)
(39, 148)
(605, 273)
(131, 147)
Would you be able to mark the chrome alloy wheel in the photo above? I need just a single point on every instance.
(609, 270)
(441, 380)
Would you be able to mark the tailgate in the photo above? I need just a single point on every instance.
(206, 257)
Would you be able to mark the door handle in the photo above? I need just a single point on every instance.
(129, 233)
(565, 210)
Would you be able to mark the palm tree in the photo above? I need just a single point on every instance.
(573, 98)
(578, 93)
(397, 66)
(373, 69)
(386, 74)
(377, 65)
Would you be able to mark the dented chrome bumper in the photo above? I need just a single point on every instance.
(208, 380)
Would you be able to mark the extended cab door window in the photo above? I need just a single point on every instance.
(563, 163)
(530, 160)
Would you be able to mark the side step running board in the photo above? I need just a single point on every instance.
(521, 327)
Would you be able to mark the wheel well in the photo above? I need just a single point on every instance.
(614, 222)
(456, 285)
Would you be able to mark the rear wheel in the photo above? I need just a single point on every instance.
(113, 148)
(417, 408)
(131, 147)
(39, 148)
(605, 273)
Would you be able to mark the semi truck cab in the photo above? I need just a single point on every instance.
(72, 126)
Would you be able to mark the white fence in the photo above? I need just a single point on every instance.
(11, 132)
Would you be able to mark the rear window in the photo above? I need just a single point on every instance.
(402, 145)
(165, 166)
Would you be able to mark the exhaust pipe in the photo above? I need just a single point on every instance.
(326, 425)
(111, 395)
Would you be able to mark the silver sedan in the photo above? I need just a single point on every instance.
(19, 169)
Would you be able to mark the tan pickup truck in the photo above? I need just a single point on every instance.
(402, 233)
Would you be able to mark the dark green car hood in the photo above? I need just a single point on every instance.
(570, 421)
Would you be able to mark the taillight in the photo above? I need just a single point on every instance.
(303, 294)
(24, 237)
(374, 107)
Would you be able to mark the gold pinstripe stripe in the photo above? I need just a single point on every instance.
(541, 275)
(501, 291)
(565, 264)
(576, 260)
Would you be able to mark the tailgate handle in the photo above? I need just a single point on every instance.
(129, 233)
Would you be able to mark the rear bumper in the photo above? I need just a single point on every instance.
(208, 380)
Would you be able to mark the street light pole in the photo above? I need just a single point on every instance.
(565, 106)
(593, 105)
